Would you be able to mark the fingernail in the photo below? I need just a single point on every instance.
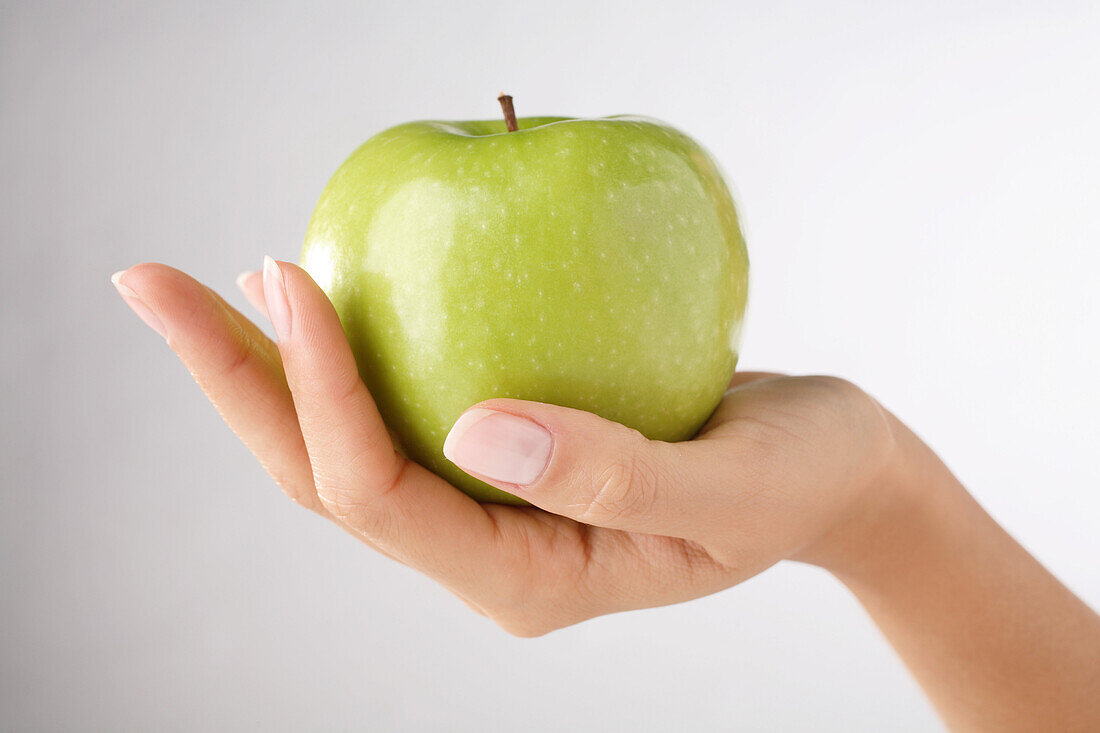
(138, 307)
(278, 310)
(498, 446)
(244, 277)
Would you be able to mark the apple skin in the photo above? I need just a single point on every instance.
(592, 263)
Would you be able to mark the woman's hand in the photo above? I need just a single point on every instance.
(621, 522)
(809, 468)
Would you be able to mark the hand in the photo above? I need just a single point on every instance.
(619, 522)
(808, 468)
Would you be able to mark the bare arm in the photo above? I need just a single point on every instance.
(997, 643)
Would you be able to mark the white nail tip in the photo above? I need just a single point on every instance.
(243, 277)
(462, 425)
(122, 289)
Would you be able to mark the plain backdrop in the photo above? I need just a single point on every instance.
(919, 187)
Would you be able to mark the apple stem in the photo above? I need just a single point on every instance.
(509, 111)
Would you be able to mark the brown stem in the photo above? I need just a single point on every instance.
(509, 111)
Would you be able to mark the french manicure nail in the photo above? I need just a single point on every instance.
(278, 310)
(499, 446)
(243, 277)
(131, 298)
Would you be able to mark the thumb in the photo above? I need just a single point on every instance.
(581, 466)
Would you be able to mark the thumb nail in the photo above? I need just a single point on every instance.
(499, 446)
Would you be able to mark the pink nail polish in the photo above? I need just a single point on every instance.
(499, 446)
(278, 309)
(131, 298)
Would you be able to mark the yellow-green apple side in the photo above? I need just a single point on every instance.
(591, 263)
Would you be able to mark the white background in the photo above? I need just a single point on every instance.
(919, 186)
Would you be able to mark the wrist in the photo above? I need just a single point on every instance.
(992, 637)
(895, 519)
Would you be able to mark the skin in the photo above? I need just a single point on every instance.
(613, 281)
(810, 469)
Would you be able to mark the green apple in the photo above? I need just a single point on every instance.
(592, 263)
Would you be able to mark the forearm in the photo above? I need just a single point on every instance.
(994, 639)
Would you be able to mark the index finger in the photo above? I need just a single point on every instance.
(360, 477)
(235, 364)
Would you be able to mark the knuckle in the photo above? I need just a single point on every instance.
(355, 491)
(835, 386)
(350, 506)
(846, 399)
(341, 502)
(831, 402)
(623, 487)
(854, 410)
(758, 434)
(346, 386)
(239, 356)
(320, 383)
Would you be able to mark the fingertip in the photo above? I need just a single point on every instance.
(461, 426)
(138, 305)
(244, 277)
(275, 297)
(149, 278)
(499, 446)
(270, 268)
(122, 289)
(294, 278)
(251, 283)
